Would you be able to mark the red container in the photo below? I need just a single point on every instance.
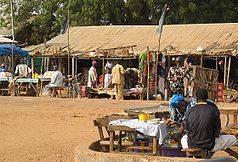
(84, 91)
(220, 86)
(220, 94)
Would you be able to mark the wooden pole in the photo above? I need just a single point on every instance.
(48, 63)
(73, 64)
(76, 66)
(225, 66)
(228, 73)
(68, 43)
(148, 74)
(156, 68)
(103, 71)
(42, 65)
(13, 36)
(32, 64)
(216, 64)
(201, 61)
(167, 90)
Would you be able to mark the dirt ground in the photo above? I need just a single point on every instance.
(48, 129)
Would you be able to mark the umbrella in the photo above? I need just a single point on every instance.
(6, 40)
(6, 49)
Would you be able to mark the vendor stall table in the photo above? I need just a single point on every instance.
(27, 83)
(44, 82)
(155, 131)
(4, 84)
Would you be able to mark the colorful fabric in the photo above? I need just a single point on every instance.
(175, 78)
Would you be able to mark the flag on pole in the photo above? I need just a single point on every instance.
(65, 25)
(161, 20)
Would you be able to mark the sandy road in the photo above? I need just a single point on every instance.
(48, 129)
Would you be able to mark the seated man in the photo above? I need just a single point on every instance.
(22, 70)
(179, 106)
(203, 127)
(56, 79)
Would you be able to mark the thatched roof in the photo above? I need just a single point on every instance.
(209, 39)
(5, 32)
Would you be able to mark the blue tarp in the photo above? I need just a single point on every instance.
(6, 49)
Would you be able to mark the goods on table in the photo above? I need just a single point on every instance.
(143, 117)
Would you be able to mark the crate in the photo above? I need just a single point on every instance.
(172, 152)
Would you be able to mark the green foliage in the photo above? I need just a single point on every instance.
(39, 20)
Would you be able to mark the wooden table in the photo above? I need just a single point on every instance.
(44, 82)
(113, 128)
(228, 113)
(5, 81)
(33, 83)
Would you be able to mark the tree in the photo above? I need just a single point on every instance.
(41, 20)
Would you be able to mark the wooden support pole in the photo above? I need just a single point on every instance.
(156, 74)
(201, 62)
(76, 66)
(148, 74)
(167, 90)
(73, 65)
(228, 73)
(103, 71)
(32, 64)
(225, 66)
(42, 65)
(216, 63)
(48, 63)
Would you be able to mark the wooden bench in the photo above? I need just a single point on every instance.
(56, 91)
(102, 125)
(230, 127)
(196, 152)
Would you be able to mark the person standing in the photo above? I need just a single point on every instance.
(118, 80)
(92, 76)
(176, 76)
(108, 78)
(203, 125)
(22, 70)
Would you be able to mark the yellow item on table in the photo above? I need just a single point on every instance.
(143, 117)
(34, 75)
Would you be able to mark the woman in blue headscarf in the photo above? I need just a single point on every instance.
(178, 108)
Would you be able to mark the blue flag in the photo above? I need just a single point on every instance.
(65, 25)
(161, 20)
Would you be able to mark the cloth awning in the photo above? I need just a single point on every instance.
(6, 49)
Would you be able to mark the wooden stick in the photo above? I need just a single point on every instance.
(103, 71)
(225, 64)
(228, 73)
(216, 63)
(148, 73)
(156, 75)
(201, 63)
